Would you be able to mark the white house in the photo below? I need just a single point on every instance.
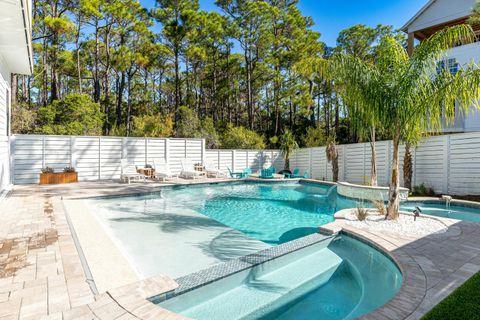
(15, 57)
(434, 16)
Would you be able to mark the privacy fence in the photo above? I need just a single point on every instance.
(449, 164)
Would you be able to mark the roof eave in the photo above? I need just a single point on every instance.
(420, 12)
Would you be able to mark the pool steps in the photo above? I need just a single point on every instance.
(261, 288)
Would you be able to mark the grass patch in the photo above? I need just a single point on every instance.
(462, 303)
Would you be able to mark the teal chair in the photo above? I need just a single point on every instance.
(294, 174)
(266, 174)
(247, 172)
(235, 175)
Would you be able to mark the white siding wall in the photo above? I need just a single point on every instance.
(4, 125)
(442, 11)
(470, 121)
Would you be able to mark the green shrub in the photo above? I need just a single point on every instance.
(242, 138)
(422, 191)
(314, 137)
(75, 114)
(188, 124)
(152, 126)
(210, 134)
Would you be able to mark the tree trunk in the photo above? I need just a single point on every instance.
(121, 88)
(14, 93)
(287, 163)
(373, 159)
(106, 125)
(335, 168)
(312, 106)
(177, 84)
(96, 80)
(394, 190)
(407, 167)
(77, 45)
(129, 105)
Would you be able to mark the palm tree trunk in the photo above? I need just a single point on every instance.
(394, 191)
(407, 167)
(373, 173)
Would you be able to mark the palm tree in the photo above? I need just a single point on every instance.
(332, 157)
(288, 145)
(406, 92)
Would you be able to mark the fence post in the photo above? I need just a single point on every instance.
(99, 158)
(167, 150)
(310, 167)
(233, 160)
(124, 148)
(446, 163)
(43, 152)
(73, 155)
(203, 151)
(146, 151)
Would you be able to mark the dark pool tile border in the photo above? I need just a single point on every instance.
(220, 271)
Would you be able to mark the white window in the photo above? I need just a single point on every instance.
(451, 65)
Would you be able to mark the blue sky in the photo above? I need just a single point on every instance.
(332, 16)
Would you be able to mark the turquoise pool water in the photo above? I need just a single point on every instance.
(197, 226)
(185, 229)
(271, 213)
(343, 279)
(440, 209)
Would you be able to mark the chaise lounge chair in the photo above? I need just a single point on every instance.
(162, 170)
(213, 171)
(188, 171)
(235, 175)
(129, 172)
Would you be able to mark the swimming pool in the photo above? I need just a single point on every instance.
(183, 229)
(187, 228)
(331, 280)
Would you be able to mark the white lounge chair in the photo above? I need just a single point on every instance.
(129, 172)
(213, 171)
(162, 170)
(188, 171)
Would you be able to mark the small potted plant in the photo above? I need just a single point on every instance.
(49, 176)
(70, 175)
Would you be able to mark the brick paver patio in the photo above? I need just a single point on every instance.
(42, 277)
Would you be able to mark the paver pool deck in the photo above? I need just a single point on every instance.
(43, 274)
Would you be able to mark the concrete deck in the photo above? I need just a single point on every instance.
(42, 275)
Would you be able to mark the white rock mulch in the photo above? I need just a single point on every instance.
(404, 225)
